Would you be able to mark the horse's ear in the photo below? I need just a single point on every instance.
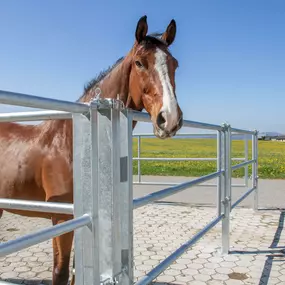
(142, 28)
(169, 35)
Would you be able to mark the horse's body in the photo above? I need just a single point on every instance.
(36, 160)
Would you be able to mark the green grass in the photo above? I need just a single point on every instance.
(271, 162)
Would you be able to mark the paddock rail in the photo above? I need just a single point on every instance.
(103, 197)
(224, 188)
(140, 136)
(101, 187)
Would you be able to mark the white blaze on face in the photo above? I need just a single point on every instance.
(169, 106)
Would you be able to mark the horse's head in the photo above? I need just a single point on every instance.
(152, 79)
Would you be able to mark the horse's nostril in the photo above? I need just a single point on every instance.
(161, 120)
(180, 123)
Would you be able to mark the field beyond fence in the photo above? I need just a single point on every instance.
(271, 162)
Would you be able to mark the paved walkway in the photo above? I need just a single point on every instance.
(257, 247)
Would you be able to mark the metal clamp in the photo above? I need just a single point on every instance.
(115, 279)
(226, 200)
(106, 103)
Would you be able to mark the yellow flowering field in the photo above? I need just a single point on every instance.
(271, 162)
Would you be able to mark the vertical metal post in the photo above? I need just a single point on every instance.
(139, 155)
(105, 130)
(226, 202)
(246, 159)
(255, 168)
(219, 168)
(126, 197)
(85, 201)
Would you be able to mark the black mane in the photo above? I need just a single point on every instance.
(93, 82)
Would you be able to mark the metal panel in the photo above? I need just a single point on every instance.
(126, 198)
(107, 190)
(85, 239)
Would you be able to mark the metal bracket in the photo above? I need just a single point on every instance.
(107, 103)
(226, 200)
(115, 279)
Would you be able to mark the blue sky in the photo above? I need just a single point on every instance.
(231, 53)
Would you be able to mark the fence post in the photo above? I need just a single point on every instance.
(255, 168)
(226, 193)
(126, 196)
(219, 168)
(246, 159)
(105, 130)
(139, 161)
(85, 239)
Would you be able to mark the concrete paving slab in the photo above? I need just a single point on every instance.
(257, 247)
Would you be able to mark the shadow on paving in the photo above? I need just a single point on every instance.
(25, 282)
(276, 252)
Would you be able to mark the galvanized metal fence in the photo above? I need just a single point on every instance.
(140, 136)
(103, 202)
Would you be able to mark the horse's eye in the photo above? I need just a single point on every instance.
(138, 64)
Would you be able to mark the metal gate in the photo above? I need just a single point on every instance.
(103, 202)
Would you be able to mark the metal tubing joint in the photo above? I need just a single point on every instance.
(107, 103)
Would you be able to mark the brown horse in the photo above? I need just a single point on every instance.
(36, 160)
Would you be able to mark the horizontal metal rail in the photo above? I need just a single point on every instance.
(200, 125)
(144, 117)
(19, 99)
(242, 197)
(166, 183)
(43, 235)
(141, 117)
(140, 202)
(181, 158)
(177, 253)
(181, 135)
(175, 158)
(37, 206)
(177, 183)
(243, 164)
(240, 131)
(34, 116)
(189, 135)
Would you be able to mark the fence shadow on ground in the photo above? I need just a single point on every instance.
(274, 254)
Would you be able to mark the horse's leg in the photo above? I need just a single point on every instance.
(58, 185)
(61, 253)
(73, 274)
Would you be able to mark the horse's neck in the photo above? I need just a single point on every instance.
(114, 85)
